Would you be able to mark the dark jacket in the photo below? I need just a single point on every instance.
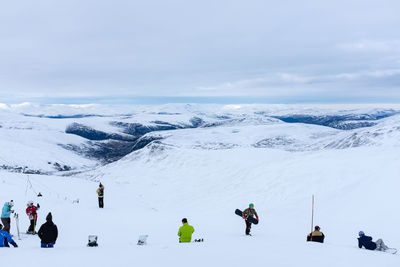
(48, 232)
(250, 213)
(366, 241)
(317, 236)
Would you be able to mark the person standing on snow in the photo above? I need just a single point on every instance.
(100, 193)
(48, 232)
(185, 232)
(6, 239)
(5, 215)
(316, 236)
(366, 241)
(249, 212)
(31, 212)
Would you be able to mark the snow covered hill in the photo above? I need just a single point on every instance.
(203, 169)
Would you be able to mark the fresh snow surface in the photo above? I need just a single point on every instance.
(204, 174)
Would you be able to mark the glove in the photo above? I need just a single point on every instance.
(12, 211)
(38, 206)
(14, 244)
(244, 217)
(30, 217)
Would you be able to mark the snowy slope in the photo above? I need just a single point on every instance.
(204, 174)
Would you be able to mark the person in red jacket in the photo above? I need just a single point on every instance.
(32, 214)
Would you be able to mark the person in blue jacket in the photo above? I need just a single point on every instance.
(366, 241)
(6, 239)
(5, 215)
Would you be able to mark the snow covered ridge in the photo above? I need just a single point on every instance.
(47, 139)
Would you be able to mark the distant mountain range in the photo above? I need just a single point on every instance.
(61, 138)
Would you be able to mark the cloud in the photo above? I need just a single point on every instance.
(98, 48)
(284, 84)
(381, 46)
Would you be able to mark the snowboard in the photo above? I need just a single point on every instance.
(391, 250)
(250, 219)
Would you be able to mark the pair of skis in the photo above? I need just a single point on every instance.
(16, 217)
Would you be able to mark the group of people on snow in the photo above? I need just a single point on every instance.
(47, 233)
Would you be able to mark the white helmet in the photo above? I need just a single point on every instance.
(11, 203)
(30, 202)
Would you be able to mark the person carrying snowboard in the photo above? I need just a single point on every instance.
(247, 213)
(185, 232)
(100, 193)
(366, 241)
(5, 215)
(316, 236)
(48, 233)
(6, 239)
(32, 214)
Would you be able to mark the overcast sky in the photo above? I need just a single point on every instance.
(287, 51)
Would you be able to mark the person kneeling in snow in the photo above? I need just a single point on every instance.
(316, 236)
(366, 241)
(48, 232)
(6, 239)
(185, 232)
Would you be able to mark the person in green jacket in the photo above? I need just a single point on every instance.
(185, 232)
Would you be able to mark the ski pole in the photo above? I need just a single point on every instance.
(34, 223)
(312, 217)
(17, 223)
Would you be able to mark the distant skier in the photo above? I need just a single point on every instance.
(366, 241)
(5, 215)
(6, 239)
(249, 212)
(185, 232)
(316, 236)
(48, 232)
(32, 214)
(100, 193)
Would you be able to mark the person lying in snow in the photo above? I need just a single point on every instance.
(366, 241)
(316, 236)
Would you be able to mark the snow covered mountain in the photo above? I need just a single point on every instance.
(51, 138)
(162, 163)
